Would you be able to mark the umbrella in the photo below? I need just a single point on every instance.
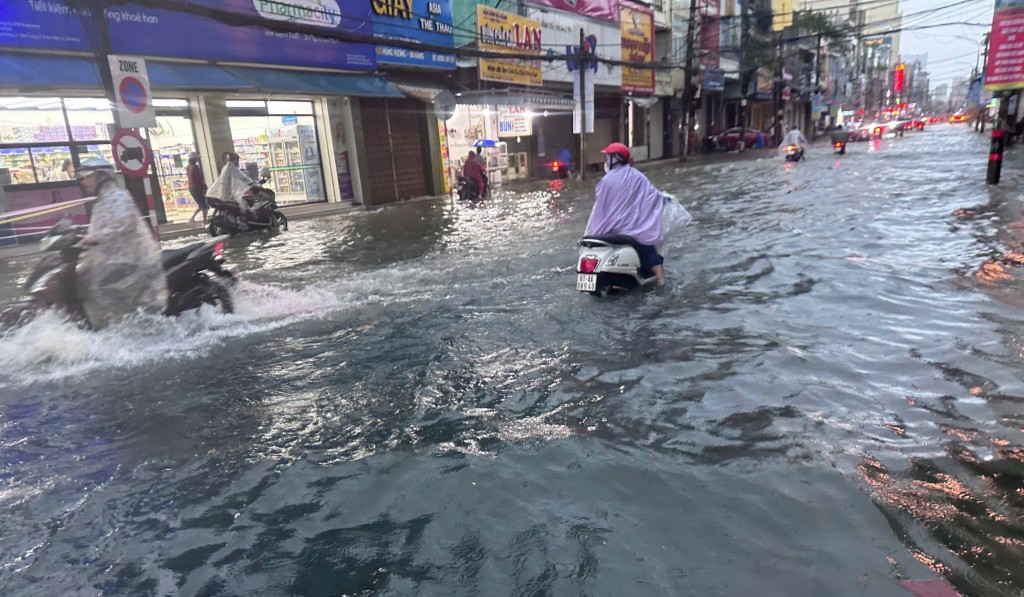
(484, 143)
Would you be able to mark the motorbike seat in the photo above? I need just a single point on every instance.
(173, 257)
(612, 239)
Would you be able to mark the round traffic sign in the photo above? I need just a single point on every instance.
(133, 95)
(131, 153)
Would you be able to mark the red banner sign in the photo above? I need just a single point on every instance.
(1005, 68)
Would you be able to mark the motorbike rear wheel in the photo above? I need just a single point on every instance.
(216, 230)
(278, 221)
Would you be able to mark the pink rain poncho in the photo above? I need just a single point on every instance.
(628, 204)
(121, 272)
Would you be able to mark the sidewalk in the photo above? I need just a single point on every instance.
(294, 212)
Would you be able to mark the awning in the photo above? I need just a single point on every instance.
(533, 100)
(299, 82)
(193, 77)
(32, 72)
(439, 97)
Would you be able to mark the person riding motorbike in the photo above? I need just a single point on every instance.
(628, 204)
(232, 184)
(794, 137)
(120, 272)
(475, 172)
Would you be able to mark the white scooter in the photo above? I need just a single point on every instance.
(609, 264)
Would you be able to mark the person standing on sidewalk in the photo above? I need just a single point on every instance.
(196, 186)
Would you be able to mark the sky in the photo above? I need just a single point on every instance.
(952, 49)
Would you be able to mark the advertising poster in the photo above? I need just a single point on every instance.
(52, 25)
(561, 33)
(422, 21)
(607, 10)
(637, 32)
(514, 121)
(500, 31)
(1005, 68)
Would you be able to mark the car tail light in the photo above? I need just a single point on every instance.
(218, 249)
(555, 166)
(588, 265)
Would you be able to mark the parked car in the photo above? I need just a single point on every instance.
(729, 139)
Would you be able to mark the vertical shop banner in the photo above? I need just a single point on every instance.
(710, 33)
(607, 10)
(52, 25)
(637, 31)
(500, 31)
(561, 34)
(445, 163)
(514, 121)
(420, 21)
(1005, 68)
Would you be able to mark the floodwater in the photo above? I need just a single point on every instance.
(826, 398)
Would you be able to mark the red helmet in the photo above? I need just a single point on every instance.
(618, 148)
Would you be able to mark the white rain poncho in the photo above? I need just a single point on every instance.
(121, 272)
(231, 184)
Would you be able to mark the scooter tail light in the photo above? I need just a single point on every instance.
(218, 249)
(588, 265)
(555, 166)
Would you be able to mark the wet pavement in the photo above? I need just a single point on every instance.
(826, 398)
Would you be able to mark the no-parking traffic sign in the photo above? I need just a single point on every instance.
(131, 88)
(131, 153)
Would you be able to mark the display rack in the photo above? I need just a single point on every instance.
(170, 166)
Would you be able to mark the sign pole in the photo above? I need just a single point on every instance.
(103, 50)
(583, 65)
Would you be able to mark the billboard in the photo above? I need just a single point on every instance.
(423, 21)
(500, 31)
(1005, 67)
(636, 29)
(561, 33)
(607, 10)
(53, 25)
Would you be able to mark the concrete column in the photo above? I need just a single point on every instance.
(213, 133)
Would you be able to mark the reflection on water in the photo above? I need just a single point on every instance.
(824, 399)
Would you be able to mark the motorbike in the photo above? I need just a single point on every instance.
(607, 264)
(559, 170)
(839, 148)
(466, 189)
(794, 153)
(189, 270)
(229, 217)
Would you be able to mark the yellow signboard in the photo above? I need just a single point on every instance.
(500, 31)
(637, 30)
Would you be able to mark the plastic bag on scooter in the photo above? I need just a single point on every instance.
(674, 217)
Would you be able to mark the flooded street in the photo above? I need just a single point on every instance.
(826, 398)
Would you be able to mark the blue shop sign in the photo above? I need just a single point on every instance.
(423, 21)
(51, 24)
(714, 79)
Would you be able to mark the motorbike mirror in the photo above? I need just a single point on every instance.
(60, 227)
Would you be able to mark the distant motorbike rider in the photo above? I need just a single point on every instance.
(795, 137)
(475, 172)
(232, 184)
(120, 271)
(628, 204)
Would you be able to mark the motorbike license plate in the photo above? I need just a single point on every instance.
(586, 282)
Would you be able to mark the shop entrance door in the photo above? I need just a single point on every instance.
(394, 133)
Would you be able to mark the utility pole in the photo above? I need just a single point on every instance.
(744, 76)
(777, 94)
(583, 65)
(984, 111)
(687, 94)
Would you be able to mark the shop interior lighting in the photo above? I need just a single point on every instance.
(245, 104)
(169, 103)
(15, 103)
(284, 107)
(49, 105)
(87, 103)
